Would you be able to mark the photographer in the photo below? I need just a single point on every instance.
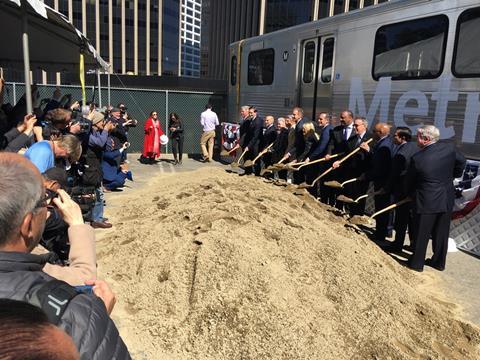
(124, 122)
(93, 174)
(114, 174)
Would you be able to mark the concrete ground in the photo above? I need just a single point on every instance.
(460, 282)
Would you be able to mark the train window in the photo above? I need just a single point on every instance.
(327, 60)
(308, 62)
(260, 67)
(466, 58)
(411, 50)
(233, 71)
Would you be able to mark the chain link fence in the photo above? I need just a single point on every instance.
(140, 103)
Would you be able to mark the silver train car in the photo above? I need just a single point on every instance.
(407, 62)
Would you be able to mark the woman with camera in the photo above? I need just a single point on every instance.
(151, 142)
(175, 128)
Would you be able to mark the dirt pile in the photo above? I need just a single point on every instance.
(216, 266)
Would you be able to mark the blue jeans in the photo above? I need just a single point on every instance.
(97, 212)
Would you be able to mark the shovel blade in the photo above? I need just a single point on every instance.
(235, 164)
(345, 199)
(224, 153)
(304, 186)
(333, 184)
(248, 163)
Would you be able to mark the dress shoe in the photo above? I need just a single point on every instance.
(415, 269)
(409, 248)
(430, 263)
(391, 247)
(100, 225)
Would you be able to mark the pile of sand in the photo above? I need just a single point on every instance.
(216, 266)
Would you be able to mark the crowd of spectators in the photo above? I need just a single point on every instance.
(56, 164)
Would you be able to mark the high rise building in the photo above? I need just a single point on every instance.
(224, 22)
(138, 37)
(190, 37)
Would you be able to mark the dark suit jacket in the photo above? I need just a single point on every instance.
(337, 144)
(311, 142)
(380, 162)
(299, 138)
(244, 125)
(400, 164)
(359, 163)
(429, 178)
(254, 133)
(291, 142)
(268, 137)
(322, 145)
(279, 148)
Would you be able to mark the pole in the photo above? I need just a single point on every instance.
(166, 117)
(26, 60)
(108, 85)
(99, 89)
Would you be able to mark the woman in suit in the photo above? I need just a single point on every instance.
(175, 128)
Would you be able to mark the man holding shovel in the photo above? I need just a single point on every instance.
(379, 172)
(252, 137)
(429, 181)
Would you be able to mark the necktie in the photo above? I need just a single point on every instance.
(345, 137)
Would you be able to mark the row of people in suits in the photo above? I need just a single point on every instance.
(396, 166)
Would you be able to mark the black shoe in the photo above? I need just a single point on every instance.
(430, 263)
(415, 268)
(409, 248)
(392, 247)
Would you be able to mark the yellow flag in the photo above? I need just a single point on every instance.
(82, 79)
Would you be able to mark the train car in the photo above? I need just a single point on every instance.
(406, 62)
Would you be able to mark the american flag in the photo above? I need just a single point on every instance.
(467, 190)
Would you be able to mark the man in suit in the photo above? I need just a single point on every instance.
(378, 173)
(268, 137)
(324, 130)
(402, 153)
(300, 120)
(344, 138)
(429, 181)
(358, 165)
(252, 137)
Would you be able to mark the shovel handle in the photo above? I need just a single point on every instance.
(235, 148)
(393, 206)
(318, 160)
(349, 181)
(321, 175)
(241, 156)
(353, 152)
(262, 152)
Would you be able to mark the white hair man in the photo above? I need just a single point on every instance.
(429, 181)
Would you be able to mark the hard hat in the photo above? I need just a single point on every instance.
(164, 139)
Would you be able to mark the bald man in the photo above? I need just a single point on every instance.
(379, 173)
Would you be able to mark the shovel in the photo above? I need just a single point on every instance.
(353, 152)
(227, 153)
(312, 162)
(236, 164)
(337, 185)
(365, 220)
(346, 199)
(274, 167)
(249, 163)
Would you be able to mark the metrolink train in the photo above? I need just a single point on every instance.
(406, 62)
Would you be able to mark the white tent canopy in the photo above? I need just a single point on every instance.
(54, 43)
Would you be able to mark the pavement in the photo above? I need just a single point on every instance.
(459, 283)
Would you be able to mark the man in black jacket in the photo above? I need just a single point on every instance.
(402, 153)
(429, 181)
(84, 317)
(252, 137)
(269, 136)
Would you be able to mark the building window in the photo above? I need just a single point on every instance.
(308, 62)
(233, 71)
(327, 59)
(466, 58)
(411, 50)
(260, 67)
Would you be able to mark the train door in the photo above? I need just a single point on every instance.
(316, 77)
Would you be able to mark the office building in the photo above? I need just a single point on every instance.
(137, 37)
(190, 37)
(224, 22)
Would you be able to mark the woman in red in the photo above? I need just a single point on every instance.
(151, 142)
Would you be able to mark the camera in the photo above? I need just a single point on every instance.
(84, 124)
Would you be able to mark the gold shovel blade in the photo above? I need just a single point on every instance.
(333, 184)
(345, 199)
